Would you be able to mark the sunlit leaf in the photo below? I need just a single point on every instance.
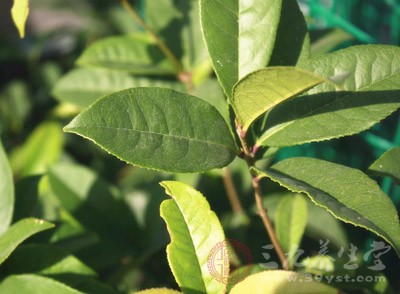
(195, 230)
(159, 129)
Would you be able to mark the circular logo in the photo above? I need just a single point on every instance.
(225, 253)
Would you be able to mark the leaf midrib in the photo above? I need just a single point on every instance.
(263, 139)
(154, 133)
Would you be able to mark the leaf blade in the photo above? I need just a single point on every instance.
(34, 284)
(278, 281)
(167, 130)
(345, 192)
(367, 80)
(263, 89)
(83, 86)
(18, 232)
(194, 230)
(6, 191)
(19, 13)
(136, 54)
(388, 165)
(229, 28)
(290, 222)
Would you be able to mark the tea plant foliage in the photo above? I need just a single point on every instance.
(190, 220)
(159, 129)
(347, 193)
(388, 165)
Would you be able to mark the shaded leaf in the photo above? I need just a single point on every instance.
(83, 86)
(367, 81)
(235, 34)
(195, 230)
(17, 233)
(6, 191)
(158, 129)
(137, 54)
(261, 90)
(19, 13)
(281, 282)
(290, 223)
(34, 284)
(91, 200)
(178, 23)
(347, 193)
(26, 197)
(292, 44)
(45, 260)
(42, 148)
(388, 165)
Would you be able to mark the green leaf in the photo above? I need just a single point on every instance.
(317, 229)
(347, 193)
(367, 81)
(388, 165)
(26, 197)
(290, 223)
(34, 284)
(158, 291)
(19, 13)
(281, 282)
(38, 151)
(239, 36)
(137, 54)
(45, 260)
(18, 232)
(159, 129)
(194, 231)
(261, 90)
(6, 191)
(178, 24)
(91, 200)
(83, 86)
(292, 44)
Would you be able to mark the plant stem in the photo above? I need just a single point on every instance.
(267, 223)
(231, 192)
(160, 43)
(249, 157)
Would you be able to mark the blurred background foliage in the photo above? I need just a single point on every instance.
(106, 212)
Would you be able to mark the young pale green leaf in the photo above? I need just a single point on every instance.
(388, 165)
(45, 260)
(19, 13)
(158, 291)
(239, 35)
(6, 191)
(83, 86)
(159, 129)
(34, 284)
(38, 151)
(195, 230)
(347, 193)
(290, 223)
(136, 54)
(18, 232)
(263, 89)
(367, 90)
(292, 44)
(281, 282)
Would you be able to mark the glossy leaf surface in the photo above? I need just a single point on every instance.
(158, 129)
